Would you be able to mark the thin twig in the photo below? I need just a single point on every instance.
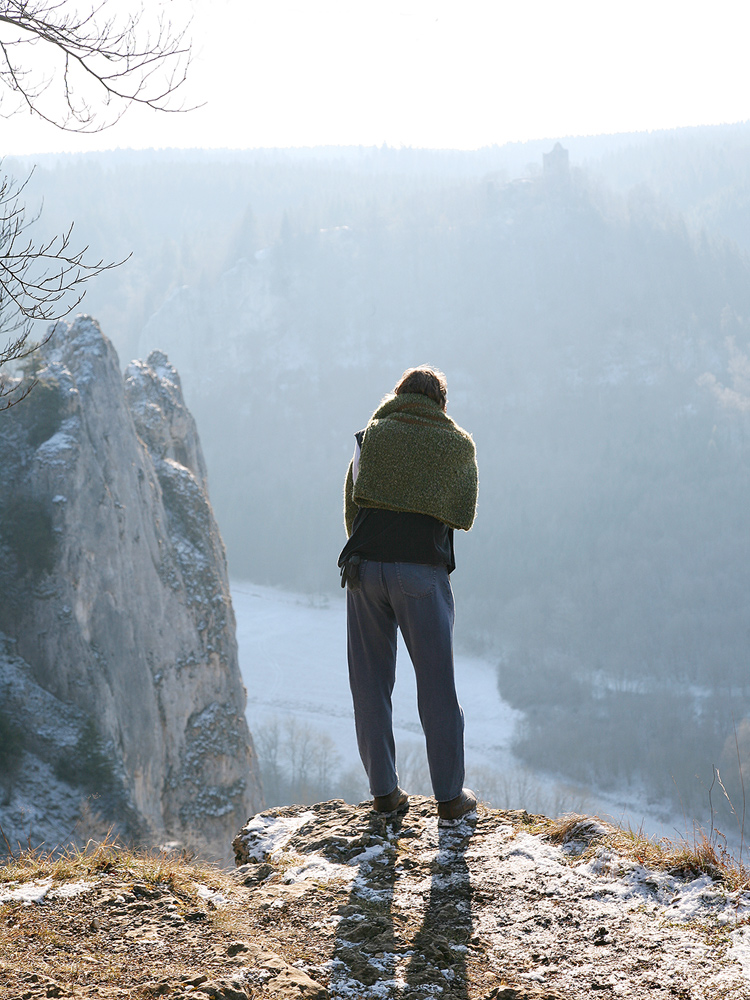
(711, 804)
(7, 843)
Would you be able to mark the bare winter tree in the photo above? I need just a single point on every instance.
(38, 282)
(78, 68)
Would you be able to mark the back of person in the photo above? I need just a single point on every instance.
(411, 482)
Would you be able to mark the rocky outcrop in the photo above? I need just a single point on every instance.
(114, 585)
(499, 906)
(335, 902)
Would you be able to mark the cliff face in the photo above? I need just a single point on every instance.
(114, 584)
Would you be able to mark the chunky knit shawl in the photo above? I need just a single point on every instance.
(414, 458)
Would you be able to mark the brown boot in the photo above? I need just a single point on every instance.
(464, 803)
(396, 802)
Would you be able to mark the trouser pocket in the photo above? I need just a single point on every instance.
(416, 579)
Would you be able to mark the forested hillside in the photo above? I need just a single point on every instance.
(593, 324)
(701, 172)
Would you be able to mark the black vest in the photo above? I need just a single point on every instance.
(396, 536)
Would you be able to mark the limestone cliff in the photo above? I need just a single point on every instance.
(114, 586)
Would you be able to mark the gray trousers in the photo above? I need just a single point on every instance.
(418, 599)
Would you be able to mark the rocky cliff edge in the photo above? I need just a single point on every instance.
(333, 900)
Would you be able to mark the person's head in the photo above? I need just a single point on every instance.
(429, 381)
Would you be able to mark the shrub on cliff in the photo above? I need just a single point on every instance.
(26, 529)
(87, 764)
(11, 747)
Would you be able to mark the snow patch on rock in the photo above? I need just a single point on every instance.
(266, 835)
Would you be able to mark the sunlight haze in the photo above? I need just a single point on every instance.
(434, 74)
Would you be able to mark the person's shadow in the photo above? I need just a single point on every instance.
(441, 944)
(375, 943)
(367, 949)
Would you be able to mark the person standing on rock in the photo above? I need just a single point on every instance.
(412, 481)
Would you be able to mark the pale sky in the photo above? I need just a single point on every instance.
(437, 73)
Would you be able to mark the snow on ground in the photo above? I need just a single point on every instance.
(739, 950)
(216, 899)
(266, 836)
(619, 898)
(35, 892)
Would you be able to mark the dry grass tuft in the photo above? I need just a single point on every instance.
(99, 944)
(574, 827)
(702, 857)
(705, 856)
(177, 870)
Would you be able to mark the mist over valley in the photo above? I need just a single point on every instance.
(591, 313)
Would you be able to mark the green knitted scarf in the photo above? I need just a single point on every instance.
(415, 458)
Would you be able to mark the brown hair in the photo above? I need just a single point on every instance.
(429, 381)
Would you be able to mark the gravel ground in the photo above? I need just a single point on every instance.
(487, 909)
(335, 901)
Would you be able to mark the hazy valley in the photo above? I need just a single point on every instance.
(592, 321)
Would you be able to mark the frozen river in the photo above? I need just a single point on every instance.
(292, 650)
(293, 661)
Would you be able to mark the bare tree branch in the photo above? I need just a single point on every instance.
(38, 282)
(80, 68)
